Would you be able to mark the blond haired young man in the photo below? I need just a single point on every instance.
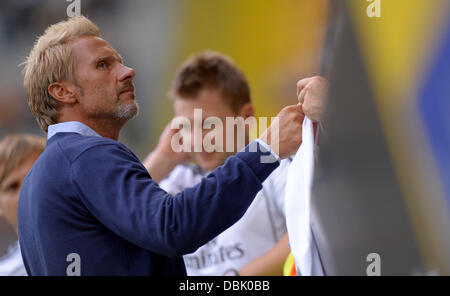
(18, 152)
(257, 244)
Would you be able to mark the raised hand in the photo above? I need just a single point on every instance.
(312, 94)
(285, 136)
(161, 161)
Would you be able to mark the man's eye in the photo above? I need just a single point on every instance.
(101, 65)
(12, 187)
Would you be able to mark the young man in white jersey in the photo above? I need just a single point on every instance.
(17, 155)
(258, 243)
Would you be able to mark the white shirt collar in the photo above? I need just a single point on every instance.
(70, 127)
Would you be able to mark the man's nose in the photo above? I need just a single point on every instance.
(126, 73)
(197, 136)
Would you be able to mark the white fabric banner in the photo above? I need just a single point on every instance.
(297, 203)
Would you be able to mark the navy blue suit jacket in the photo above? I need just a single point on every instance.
(93, 197)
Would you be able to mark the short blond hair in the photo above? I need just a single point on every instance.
(211, 70)
(51, 61)
(15, 148)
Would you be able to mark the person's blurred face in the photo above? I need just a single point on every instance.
(10, 189)
(106, 84)
(211, 103)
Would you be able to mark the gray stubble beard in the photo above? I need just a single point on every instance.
(127, 111)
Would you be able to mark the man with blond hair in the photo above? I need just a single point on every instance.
(18, 152)
(89, 206)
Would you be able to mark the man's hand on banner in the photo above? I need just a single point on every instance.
(285, 136)
(312, 94)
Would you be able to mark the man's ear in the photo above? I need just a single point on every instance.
(63, 92)
(247, 111)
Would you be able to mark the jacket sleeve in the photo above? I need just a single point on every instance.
(118, 191)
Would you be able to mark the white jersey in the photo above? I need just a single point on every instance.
(298, 195)
(254, 234)
(11, 264)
